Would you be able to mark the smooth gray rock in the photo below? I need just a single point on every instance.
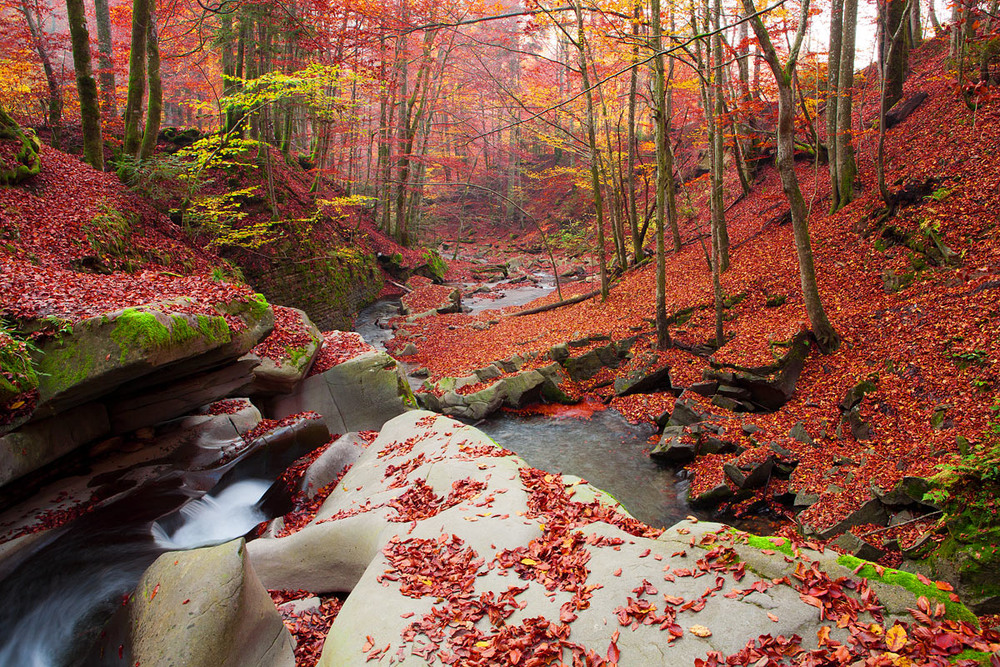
(41, 442)
(359, 394)
(199, 608)
(342, 453)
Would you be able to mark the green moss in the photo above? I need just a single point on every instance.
(771, 543)
(63, 366)
(142, 331)
(258, 306)
(981, 657)
(214, 329)
(953, 610)
(436, 265)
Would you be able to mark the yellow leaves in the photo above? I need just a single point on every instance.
(700, 631)
(529, 561)
(895, 638)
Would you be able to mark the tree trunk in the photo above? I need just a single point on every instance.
(136, 77)
(833, 62)
(826, 336)
(847, 168)
(916, 32)
(720, 234)
(662, 175)
(892, 14)
(594, 156)
(86, 87)
(154, 103)
(105, 59)
(55, 93)
(633, 208)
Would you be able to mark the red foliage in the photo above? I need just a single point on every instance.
(338, 347)
(289, 333)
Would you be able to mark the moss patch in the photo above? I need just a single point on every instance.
(141, 331)
(771, 543)
(953, 610)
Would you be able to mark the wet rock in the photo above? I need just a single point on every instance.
(158, 403)
(717, 494)
(41, 442)
(199, 608)
(750, 476)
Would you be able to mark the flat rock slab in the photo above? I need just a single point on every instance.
(455, 552)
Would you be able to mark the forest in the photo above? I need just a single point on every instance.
(449, 332)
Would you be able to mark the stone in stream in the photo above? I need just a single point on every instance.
(433, 521)
(359, 394)
(199, 608)
(677, 445)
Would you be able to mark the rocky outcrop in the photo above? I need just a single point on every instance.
(199, 608)
(129, 369)
(764, 388)
(359, 394)
(515, 390)
(476, 555)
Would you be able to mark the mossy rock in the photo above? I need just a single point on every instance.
(973, 567)
(102, 353)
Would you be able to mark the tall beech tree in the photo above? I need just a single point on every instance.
(826, 336)
(136, 76)
(55, 103)
(86, 86)
(663, 173)
(839, 106)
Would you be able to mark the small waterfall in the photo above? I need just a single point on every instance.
(214, 519)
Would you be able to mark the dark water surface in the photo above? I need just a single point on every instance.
(606, 451)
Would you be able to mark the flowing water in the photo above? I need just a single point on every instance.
(606, 451)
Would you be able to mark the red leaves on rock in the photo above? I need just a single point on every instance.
(338, 347)
(289, 334)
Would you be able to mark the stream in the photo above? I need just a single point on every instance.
(604, 449)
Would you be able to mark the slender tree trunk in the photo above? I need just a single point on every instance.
(847, 168)
(136, 77)
(86, 87)
(663, 173)
(895, 42)
(633, 208)
(594, 156)
(720, 231)
(915, 30)
(55, 92)
(105, 59)
(933, 16)
(154, 101)
(833, 62)
(826, 336)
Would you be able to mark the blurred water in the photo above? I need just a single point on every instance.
(214, 519)
(606, 451)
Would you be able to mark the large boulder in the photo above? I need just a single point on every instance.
(198, 608)
(359, 394)
(475, 558)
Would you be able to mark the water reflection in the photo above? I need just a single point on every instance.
(606, 451)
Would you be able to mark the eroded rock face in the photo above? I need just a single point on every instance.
(199, 608)
(281, 373)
